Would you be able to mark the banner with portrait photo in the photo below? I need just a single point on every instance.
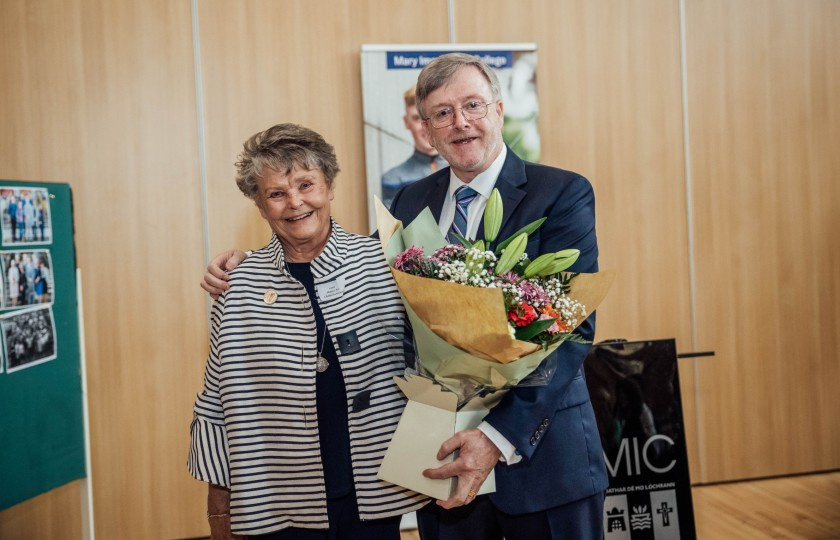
(396, 152)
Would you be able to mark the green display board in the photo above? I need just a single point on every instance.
(41, 415)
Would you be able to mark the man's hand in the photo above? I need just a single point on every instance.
(477, 457)
(216, 277)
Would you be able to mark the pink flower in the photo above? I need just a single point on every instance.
(409, 261)
(532, 294)
(510, 277)
(448, 254)
(554, 328)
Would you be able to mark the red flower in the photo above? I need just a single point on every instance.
(522, 315)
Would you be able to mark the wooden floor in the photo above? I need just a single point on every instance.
(800, 507)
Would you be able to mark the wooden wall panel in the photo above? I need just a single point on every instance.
(101, 95)
(610, 108)
(763, 87)
(40, 86)
(265, 63)
(139, 233)
(55, 514)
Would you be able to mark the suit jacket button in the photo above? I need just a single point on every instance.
(545, 422)
(533, 441)
(542, 428)
(537, 435)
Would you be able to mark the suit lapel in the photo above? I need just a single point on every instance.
(511, 177)
(435, 196)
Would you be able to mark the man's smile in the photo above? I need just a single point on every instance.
(464, 140)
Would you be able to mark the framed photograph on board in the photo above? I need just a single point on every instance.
(27, 278)
(28, 338)
(25, 216)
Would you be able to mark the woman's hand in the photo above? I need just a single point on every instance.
(220, 529)
(218, 513)
(216, 277)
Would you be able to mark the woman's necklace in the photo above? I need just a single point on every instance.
(321, 363)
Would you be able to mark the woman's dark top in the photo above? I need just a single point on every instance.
(330, 399)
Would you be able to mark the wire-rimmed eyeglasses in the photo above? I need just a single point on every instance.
(472, 110)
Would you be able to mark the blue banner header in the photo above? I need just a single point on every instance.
(418, 60)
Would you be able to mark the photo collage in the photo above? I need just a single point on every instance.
(26, 300)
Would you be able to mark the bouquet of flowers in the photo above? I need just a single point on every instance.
(485, 319)
(538, 307)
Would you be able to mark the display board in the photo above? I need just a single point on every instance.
(41, 418)
(635, 392)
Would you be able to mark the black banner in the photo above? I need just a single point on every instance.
(635, 391)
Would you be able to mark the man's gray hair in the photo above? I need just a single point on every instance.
(442, 69)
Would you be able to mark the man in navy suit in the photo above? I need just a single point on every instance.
(551, 479)
(543, 441)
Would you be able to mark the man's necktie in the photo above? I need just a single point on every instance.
(464, 195)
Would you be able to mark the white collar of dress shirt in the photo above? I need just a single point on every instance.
(484, 182)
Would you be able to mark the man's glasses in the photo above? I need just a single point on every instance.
(472, 110)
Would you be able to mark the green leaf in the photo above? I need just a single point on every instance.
(577, 338)
(525, 333)
(463, 241)
(527, 229)
(565, 281)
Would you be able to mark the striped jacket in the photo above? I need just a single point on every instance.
(255, 428)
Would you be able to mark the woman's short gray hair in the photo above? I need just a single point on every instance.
(442, 69)
(280, 148)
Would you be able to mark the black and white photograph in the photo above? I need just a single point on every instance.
(27, 278)
(25, 216)
(28, 338)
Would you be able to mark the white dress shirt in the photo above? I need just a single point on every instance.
(483, 185)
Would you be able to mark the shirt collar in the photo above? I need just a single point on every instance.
(330, 259)
(484, 182)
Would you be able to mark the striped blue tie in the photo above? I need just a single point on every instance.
(464, 195)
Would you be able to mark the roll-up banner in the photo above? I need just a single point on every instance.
(396, 152)
(635, 391)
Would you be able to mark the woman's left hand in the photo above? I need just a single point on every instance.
(218, 513)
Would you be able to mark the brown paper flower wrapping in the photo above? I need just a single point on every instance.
(462, 332)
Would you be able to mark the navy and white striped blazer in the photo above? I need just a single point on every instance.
(255, 428)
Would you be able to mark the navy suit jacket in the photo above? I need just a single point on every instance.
(552, 426)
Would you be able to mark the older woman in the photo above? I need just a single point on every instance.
(298, 403)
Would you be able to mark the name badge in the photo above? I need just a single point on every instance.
(331, 289)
